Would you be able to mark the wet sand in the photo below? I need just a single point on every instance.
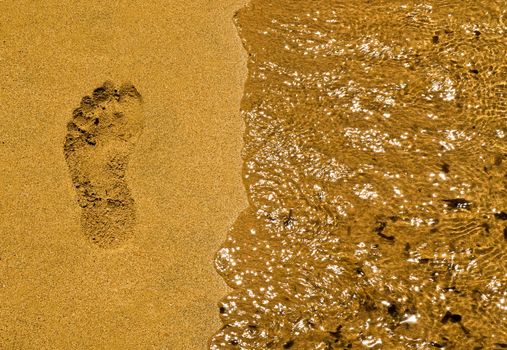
(160, 290)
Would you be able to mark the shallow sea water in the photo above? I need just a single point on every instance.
(375, 164)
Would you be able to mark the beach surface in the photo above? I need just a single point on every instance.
(375, 169)
(160, 289)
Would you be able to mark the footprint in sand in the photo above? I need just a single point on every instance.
(101, 136)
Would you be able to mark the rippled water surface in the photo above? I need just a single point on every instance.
(375, 165)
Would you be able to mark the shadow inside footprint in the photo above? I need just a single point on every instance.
(101, 136)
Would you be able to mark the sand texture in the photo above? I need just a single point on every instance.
(112, 206)
(101, 136)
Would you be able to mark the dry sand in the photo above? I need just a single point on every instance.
(160, 291)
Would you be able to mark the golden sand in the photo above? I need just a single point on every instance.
(101, 137)
(374, 163)
(158, 290)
